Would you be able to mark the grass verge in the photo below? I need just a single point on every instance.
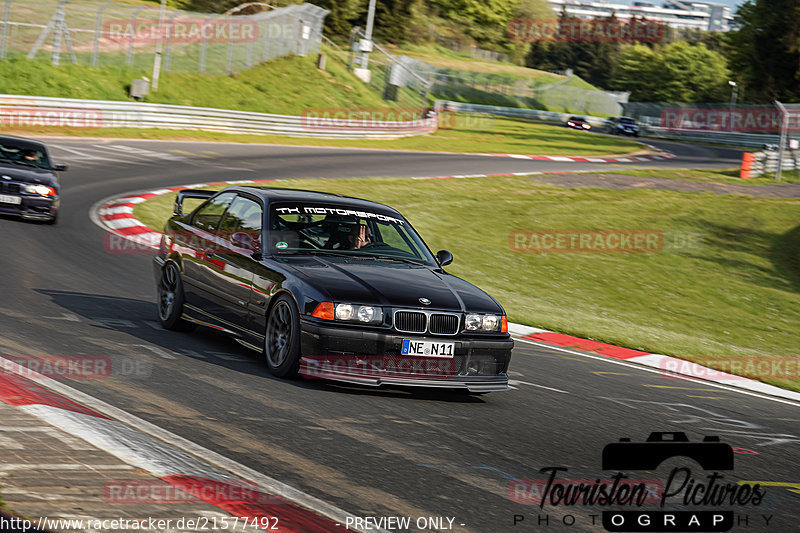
(287, 85)
(722, 175)
(470, 133)
(725, 287)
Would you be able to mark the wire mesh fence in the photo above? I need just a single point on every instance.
(111, 33)
(550, 92)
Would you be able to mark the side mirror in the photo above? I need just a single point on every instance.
(246, 240)
(444, 257)
(60, 167)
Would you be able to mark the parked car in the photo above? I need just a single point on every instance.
(579, 123)
(328, 287)
(29, 186)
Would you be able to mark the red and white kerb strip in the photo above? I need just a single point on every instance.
(171, 465)
(576, 159)
(117, 214)
(670, 366)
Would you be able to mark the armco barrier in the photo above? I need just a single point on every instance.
(514, 112)
(18, 110)
(767, 162)
(725, 138)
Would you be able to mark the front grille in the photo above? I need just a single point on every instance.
(10, 188)
(410, 321)
(441, 324)
(427, 322)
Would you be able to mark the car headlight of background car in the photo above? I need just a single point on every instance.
(345, 312)
(476, 322)
(41, 190)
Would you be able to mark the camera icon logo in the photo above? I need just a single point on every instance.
(710, 454)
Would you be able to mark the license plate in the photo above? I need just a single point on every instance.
(8, 199)
(428, 349)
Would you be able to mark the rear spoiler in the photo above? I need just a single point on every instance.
(190, 193)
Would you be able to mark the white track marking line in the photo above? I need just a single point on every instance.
(654, 371)
(13, 467)
(132, 422)
(517, 382)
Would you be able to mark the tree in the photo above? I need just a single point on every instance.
(637, 71)
(678, 72)
(765, 50)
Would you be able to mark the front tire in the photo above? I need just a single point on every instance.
(282, 339)
(170, 300)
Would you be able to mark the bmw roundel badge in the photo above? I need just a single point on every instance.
(424, 301)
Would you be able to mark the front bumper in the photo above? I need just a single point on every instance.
(33, 207)
(374, 358)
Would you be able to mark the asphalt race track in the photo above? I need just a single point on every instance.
(369, 452)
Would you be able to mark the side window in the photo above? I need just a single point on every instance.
(208, 216)
(242, 224)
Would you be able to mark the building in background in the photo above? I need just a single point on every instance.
(706, 16)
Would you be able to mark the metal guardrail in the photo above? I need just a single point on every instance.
(66, 112)
(726, 138)
(767, 162)
(514, 112)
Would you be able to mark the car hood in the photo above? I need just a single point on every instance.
(391, 283)
(26, 174)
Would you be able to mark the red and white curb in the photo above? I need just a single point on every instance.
(215, 480)
(671, 367)
(116, 215)
(661, 155)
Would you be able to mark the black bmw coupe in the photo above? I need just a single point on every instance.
(328, 287)
(29, 186)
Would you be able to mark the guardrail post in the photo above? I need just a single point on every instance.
(4, 41)
(129, 60)
(98, 31)
(229, 66)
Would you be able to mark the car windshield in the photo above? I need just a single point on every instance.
(627, 120)
(578, 119)
(23, 154)
(304, 228)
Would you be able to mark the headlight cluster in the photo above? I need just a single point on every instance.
(359, 313)
(365, 314)
(475, 322)
(42, 190)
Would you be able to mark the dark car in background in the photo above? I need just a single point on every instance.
(29, 185)
(623, 126)
(578, 123)
(328, 287)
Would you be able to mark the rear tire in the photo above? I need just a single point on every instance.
(282, 339)
(170, 300)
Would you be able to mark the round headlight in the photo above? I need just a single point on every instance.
(491, 322)
(367, 313)
(42, 190)
(344, 312)
(473, 322)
